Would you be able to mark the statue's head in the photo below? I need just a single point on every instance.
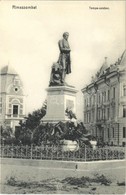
(65, 35)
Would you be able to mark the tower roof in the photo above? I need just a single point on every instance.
(8, 70)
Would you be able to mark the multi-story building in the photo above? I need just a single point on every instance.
(12, 98)
(105, 103)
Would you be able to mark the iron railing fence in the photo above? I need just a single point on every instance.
(56, 153)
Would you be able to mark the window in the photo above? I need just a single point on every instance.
(90, 101)
(85, 117)
(124, 90)
(102, 114)
(108, 113)
(113, 132)
(94, 100)
(85, 102)
(124, 132)
(96, 132)
(0, 108)
(108, 95)
(114, 92)
(98, 114)
(0, 105)
(113, 112)
(105, 96)
(99, 98)
(108, 133)
(93, 116)
(15, 109)
(89, 117)
(124, 111)
(102, 97)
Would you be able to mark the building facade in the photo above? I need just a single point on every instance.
(12, 98)
(105, 103)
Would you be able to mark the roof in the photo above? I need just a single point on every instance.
(8, 70)
(123, 59)
(105, 70)
(120, 63)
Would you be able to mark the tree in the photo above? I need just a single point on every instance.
(7, 136)
(33, 120)
(29, 125)
(33, 130)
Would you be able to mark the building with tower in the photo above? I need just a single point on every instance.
(105, 103)
(12, 98)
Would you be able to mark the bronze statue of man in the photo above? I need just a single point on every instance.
(64, 58)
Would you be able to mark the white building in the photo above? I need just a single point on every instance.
(12, 98)
(105, 103)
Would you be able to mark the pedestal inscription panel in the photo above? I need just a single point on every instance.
(59, 98)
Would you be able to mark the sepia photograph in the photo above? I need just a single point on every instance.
(62, 97)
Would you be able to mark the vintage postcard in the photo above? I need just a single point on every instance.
(62, 97)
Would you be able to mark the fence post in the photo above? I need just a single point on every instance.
(31, 150)
(118, 155)
(106, 152)
(52, 149)
(46, 151)
(26, 151)
(85, 153)
(2, 150)
(21, 151)
(41, 152)
(36, 149)
(62, 155)
(12, 151)
(112, 154)
(57, 157)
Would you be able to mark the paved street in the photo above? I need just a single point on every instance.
(49, 180)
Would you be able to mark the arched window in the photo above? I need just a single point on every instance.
(15, 110)
(124, 111)
(124, 132)
(124, 90)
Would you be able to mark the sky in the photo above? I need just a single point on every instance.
(29, 42)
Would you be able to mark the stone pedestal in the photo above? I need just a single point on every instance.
(59, 98)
